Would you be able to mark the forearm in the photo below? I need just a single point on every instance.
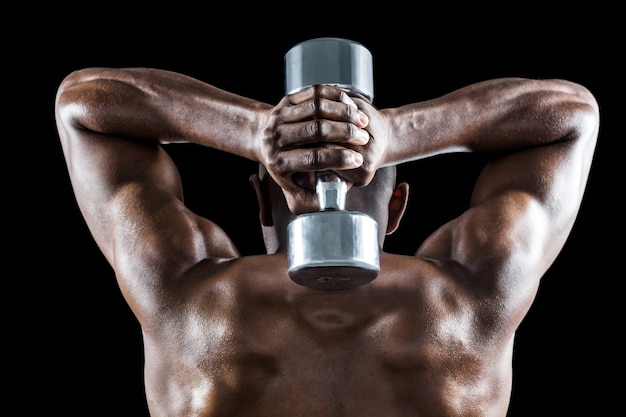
(159, 106)
(542, 135)
(497, 116)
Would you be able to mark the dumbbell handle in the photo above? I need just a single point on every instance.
(331, 191)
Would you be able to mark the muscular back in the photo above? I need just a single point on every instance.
(241, 340)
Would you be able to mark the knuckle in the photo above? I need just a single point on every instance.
(272, 136)
(318, 89)
(278, 165)
(315, 158)
(316, 106)
(315, 129)
(352, 131)
(350, 112)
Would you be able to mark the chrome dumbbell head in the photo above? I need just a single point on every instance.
(333, 248)
(333, 61)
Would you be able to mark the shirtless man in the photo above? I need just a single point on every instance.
(232, 335)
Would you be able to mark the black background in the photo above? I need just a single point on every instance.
(77, 343)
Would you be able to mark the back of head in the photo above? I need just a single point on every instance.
(372, 200)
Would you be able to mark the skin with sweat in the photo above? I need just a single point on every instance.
(232, 335)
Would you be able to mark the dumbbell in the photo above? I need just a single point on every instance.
(332, 248)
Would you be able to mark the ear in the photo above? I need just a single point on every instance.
(262, 197)
(397, 205)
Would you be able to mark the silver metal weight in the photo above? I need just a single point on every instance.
(332, 248)
(332, 61)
